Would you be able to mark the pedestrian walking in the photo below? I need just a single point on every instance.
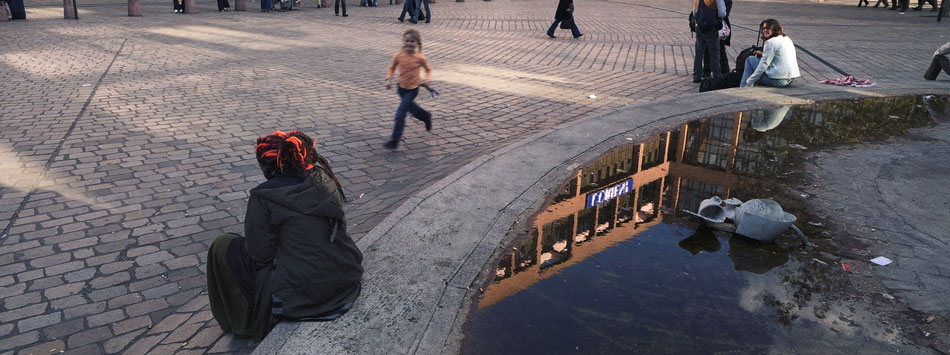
(565, 16)
(407, 62)
(179, 6)
(224, 5)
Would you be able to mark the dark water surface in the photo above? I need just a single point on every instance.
(613, 266)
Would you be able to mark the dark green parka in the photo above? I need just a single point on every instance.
(309, 266)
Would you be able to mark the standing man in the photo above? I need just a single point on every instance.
(708, 16)
(723, 42)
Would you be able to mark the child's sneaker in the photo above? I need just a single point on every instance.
(391, 145)
(428, 121)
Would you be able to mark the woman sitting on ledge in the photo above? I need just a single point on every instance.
(776, 65)
(297, 261)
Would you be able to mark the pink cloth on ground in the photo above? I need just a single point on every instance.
(849, 81)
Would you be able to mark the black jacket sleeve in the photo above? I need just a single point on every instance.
(261, 236)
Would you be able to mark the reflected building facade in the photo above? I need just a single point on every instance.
(636, 186)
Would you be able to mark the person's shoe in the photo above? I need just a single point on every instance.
(391, 145)
(552, 36)
(413, 21)
(917, 8)
(428, 121)
(427, 20)
(579, 36)
(336, 14)
(345, 15)
(933, 10)
(697, 80)
(400, 19)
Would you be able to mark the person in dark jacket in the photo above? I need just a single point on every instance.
(564, 13)
(723, 42)
(297, 260)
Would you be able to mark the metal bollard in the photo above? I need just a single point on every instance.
(191, 6)
(135, 8)
(69, 10)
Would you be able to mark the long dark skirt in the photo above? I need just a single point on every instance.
(230, 281)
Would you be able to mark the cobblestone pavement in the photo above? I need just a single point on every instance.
(126, 143)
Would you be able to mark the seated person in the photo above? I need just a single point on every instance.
(776, 65)
(296, 261)
(938, 62)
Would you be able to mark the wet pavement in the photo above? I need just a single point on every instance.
(125, 146)
(632, 273)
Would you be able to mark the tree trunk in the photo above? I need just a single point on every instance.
(68, 10)
(135, 7)
(240, 5)
(3, 12)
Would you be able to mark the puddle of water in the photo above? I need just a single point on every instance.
(612, 265)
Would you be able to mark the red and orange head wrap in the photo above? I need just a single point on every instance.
(291, 153)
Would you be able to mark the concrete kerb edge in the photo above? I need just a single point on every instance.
(677, 112)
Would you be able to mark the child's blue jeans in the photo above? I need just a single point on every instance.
(406, 105)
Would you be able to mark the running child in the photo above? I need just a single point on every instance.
(407, 62)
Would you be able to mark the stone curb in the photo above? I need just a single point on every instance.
(421, 259)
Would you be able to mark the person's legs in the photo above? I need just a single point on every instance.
(553, 27)
(712, 47)
(574, 31)
(765, 80)
(407, 96)
(699, 52)
(939, 62)
(421, 114)
(750, 64)
(723, 59)
(428, 13)
(415, 12)
(405, 8)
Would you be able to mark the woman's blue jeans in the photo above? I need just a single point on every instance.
(574, 30)
(406, 105)
(750, 64)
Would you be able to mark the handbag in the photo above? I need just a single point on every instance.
(724, 32)
(567, 24)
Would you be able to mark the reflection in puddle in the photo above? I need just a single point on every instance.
(613, 266)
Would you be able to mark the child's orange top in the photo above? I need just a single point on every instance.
(408, 67)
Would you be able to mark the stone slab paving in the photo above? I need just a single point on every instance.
(125, 143)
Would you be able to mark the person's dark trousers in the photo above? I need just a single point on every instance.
(406, 7)
(336, 7)
(706, 43)
(939, 62)
(223, 4)
(406, 105)
(723, 61)
(419, 5)
(920, 4)
(179, 6)
(266, 5)
(17, 9)
(574, 31)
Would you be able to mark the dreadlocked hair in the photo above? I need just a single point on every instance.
(291, 153)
